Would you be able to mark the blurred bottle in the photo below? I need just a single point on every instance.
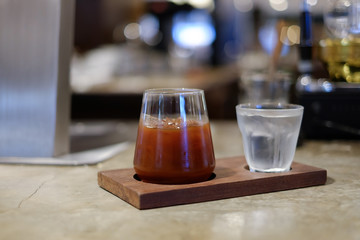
(306, 43)
(341, 50)
(305, 64)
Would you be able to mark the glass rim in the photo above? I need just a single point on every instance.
(269, 107)
(173, 91)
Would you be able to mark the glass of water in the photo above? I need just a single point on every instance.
(270, 132)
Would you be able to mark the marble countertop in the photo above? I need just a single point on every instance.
(62, 202)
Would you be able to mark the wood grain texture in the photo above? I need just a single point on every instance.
(233, 179)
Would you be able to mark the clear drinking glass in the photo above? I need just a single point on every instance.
(174, 143)
(270, 133)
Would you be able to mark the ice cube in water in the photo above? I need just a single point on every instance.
(262, 150)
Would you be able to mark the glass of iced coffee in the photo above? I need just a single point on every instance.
(174, 144)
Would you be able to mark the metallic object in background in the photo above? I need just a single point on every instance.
(35, 51)
(331, 110)
(88, 157)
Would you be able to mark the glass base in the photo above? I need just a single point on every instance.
(175, 180)
(270, 170)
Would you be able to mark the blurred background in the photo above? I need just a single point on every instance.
(300, 51)
(125, 47)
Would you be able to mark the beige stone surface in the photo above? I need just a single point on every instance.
(52, 202)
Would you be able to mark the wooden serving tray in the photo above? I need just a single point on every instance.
(233, 179)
